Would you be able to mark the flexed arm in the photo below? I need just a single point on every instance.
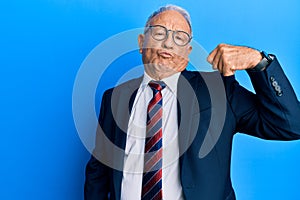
(274, 111)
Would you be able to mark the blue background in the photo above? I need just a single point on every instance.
(43, 44)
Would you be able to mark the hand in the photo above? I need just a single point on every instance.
(228, 58)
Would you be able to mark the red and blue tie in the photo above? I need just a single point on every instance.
(152, 176)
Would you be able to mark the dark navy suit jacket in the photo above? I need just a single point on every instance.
(273, 112)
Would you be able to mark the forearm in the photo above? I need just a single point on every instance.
(277, 99)
(271, 113)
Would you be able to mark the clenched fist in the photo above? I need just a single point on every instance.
(228, 58)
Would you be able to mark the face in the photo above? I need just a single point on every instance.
(164, 58)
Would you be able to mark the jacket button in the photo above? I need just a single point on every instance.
(275, 84)
(278, 88)
(272, 78)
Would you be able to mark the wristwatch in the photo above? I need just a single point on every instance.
(266, 60)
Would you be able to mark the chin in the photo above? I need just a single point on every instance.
(164, 67)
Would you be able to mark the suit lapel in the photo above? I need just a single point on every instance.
(187, 108)
(122, 102)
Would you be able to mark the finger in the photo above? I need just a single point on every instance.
(228, 70)
(228, 73)
(212, 55)
(236, 67)
(218, 61)
(220, 66)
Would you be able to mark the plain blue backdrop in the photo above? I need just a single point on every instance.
(44, 42)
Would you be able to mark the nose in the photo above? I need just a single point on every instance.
(168, 43)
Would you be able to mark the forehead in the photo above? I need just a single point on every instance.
(171, 19)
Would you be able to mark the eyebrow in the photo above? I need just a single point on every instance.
(189, 32)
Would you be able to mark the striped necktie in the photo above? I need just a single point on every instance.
(152, 177)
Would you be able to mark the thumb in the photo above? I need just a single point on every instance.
(229, 71)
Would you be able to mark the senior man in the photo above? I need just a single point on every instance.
(162, 119)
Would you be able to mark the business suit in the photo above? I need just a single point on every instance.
(270, 114)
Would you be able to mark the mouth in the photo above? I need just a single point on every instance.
(165, 54)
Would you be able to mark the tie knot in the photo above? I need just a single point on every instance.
(157, 85)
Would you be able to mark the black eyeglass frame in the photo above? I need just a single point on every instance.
(167, 34)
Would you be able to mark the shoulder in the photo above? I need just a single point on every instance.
(132, 84)
(200, 74)
(206, 79)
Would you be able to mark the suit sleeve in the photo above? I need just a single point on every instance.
(97, 180)
(273, 112)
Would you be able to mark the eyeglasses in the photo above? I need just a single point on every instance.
(159, 33)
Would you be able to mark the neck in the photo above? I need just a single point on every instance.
(159, 74)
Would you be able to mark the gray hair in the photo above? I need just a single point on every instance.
(182, 11)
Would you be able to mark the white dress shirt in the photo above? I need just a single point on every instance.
(131, 187)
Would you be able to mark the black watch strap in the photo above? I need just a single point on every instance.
(266, 60)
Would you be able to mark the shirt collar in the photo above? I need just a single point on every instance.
(170, 81)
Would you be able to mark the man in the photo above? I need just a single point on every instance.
(163, 119)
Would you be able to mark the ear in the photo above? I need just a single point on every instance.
(141, 39)
(190, 48)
